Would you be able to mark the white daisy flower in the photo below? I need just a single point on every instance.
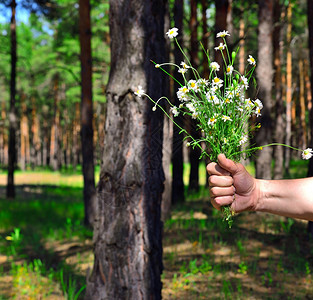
(212, 121)
(251, 60)
(243, 139)
(215, 66)
(307, 153)
(220, 47)
(245, 81)
(182, 93)
(217, 82)
(258, 103)
(184, 65)
(182, 70)
(173, 32)
(226, 118)
(257, 112)
(191, 107)
(229, 69)
(174, 111)
(139, 91)
(195, 115)
(192, 84)
(222, 34)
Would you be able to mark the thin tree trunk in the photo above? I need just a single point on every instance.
(264, 77)
(222, 9)
(278, 171)
(128, 241)
(308, 95)
(310, 23)
(90, 197)
(36, 159)
(195, 153)
(76, 131)
(167, 135)
(303, 130)
(3, 137)
(289, 86)
(178, 188)
(55, 161)
(10, 191)
(25, 155)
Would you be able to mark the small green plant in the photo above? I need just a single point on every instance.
(15, 239)
(69, 287)
(286, 226)
(242, 268)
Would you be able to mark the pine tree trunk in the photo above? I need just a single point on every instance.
(264, 77)
(178, 188)
(303, 130)
(220, 25)
(76, 131)
(55, 161)
(90, 197)
(308, 96)
(3, 137)
(36, 159)
(24, 158)
(289, 87)
(310, 25)
(167, 135)
(195, 153)
(278, 171)
(10, 191)
(127, 236)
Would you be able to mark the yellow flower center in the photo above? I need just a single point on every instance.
(216, 80)
(185, 90)
(192, 84)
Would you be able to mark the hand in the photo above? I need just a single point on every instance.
(231, 184)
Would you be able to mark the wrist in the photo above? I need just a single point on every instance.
(260, 194)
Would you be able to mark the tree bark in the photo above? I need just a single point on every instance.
(289, 86)
(127, 235)
(278, 171)
(90, 197)
(167, 134)
(220, 25)
(24, 134)
(10, 191)
(55, 158)
(310, 25)
(264, 78)
(195, 153)
(178, 188)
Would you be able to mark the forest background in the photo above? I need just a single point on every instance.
(43, 94)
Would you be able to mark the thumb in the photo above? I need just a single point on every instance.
(227, 164)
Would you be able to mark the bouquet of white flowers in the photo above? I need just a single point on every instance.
(219, 105)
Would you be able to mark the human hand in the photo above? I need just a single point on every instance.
(231, 184)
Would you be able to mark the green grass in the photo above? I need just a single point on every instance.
(45, 249)
(37, 231)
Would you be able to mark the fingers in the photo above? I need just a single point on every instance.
(222, 181)
(227, 164)
(218, 202)
(215, 169)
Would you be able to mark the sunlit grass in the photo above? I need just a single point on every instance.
(46, 250)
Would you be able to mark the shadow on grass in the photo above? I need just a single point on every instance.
(50, 221)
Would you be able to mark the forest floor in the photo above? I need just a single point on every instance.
(45, 252)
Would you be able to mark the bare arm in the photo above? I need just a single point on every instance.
(231, 184)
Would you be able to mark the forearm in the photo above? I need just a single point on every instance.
(291, 198)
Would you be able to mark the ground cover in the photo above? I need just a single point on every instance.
(45, 252)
